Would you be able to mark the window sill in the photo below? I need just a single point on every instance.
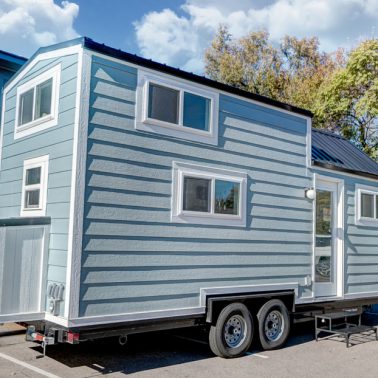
(367, 222)
(35, 126)
(209, 219)
(33, 212)
(181, 132)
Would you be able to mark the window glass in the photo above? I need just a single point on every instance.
(163, 103)
(226, 197)
(32, 199)
(43, 99)
(197, 194)
(367, 205)
(33, 176)
(196, 112)
(26, 107)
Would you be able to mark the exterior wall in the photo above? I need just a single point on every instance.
(57, 142)
(360, 241)
(134, 259)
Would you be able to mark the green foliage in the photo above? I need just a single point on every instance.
(341, 90)
(348, 101)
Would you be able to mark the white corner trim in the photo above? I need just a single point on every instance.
(179, 170)
(364, 221)
(45, 122)
(142, 122)
(309, 145)
(75, 232)
(2, 126)
(43, 163)
(246, 289)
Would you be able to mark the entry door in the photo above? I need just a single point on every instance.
(326, 239)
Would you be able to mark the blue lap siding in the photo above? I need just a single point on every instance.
(134, 258)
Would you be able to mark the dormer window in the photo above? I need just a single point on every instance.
(37, 103)
(175, 108)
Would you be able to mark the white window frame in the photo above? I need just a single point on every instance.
(360, 220)
(144, 123)
(47, 121)
(181, 170)
(43, 163)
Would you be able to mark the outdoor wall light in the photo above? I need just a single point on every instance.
(310, 193)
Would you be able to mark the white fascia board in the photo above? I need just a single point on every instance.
(75, 232)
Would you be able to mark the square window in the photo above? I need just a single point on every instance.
(196, 112)
(367, 205)
(196, 194)
(163, 103)
(34, 186)
(227, 197)
(37, 103)
(207, 195)
(175, 107)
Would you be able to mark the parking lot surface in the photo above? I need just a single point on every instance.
(185, 353)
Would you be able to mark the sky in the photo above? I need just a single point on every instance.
(177, 32)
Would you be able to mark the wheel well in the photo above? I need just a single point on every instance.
(252, 301)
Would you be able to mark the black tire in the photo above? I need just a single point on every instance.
(274, 324)
(232, 335)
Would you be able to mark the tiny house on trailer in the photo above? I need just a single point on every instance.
(135, 196)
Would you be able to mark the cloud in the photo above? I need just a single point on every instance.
(180, 40)
(25, 25)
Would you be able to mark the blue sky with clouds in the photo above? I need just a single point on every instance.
(176, 32)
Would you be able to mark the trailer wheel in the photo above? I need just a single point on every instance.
(274, 324)
(233, 332)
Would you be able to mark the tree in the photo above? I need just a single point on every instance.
(348, 101)
(340, 89)
(291, 72)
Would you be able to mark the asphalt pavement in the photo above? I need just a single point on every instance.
(185, 353)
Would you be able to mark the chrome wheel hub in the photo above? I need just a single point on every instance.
(235, 331)
(274, 325)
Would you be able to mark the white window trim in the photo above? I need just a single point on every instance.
(43, 162)
(47, 121)
(180, 170)
(142, 122)
(365, 221)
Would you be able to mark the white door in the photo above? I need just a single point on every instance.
(327, 223)
(21, 272)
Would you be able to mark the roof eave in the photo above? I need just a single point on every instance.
(135, 59)
(341, 169)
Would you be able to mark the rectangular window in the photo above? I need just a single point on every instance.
(37, 103)
(174, 107)
(206, 195)
(34, 187)
(366, 204)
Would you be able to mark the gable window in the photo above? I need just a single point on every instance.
(207, 195)
(173, 107)
(37, 103)
(366, 204)
(34, 186)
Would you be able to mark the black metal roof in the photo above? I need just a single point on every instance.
(332, 151)
(131, 58)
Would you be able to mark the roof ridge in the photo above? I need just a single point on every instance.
(329, 133)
